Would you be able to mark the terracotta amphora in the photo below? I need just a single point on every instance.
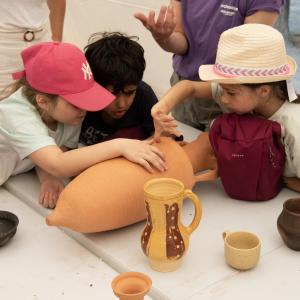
(109, 195)
(165, 239)
(288, 223)
(131, 285)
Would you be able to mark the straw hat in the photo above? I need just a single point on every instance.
(250, 53)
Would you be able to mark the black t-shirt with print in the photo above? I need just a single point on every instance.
(137, 123)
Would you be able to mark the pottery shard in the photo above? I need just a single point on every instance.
(174, 242)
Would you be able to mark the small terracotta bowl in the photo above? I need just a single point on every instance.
(8, 226)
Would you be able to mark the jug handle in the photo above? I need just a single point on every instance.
(198, 211)
(207, 176)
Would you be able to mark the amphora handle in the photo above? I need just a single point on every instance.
(212, 174)
(198, 211)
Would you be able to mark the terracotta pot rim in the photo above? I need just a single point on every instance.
(162, 197)
(258, 245)
(132, 274)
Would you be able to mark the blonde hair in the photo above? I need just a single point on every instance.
(30, 93)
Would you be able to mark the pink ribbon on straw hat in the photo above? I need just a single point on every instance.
(229, 71)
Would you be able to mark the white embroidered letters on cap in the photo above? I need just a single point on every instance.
(86, 71)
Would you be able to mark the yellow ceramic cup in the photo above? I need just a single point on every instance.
(241, 249)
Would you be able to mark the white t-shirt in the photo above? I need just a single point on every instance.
(23, 14)
(22, 132)
(288, 116)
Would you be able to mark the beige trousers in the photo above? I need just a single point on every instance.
(11, 45)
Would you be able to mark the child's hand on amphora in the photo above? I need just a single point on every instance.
(50, 191)
(144, 154)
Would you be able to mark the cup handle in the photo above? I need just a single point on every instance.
(225, 234)
(198, 211)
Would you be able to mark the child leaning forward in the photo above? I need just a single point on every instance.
(117, 62)
(41, 120)
(251, 75)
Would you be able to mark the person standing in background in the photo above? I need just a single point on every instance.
(191, 30)
(22, 24)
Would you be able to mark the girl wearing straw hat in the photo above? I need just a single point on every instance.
(191, 31)
(252, 73)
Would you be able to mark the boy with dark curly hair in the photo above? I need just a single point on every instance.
(117, 62)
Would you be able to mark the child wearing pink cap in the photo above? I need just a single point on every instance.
(41, 120)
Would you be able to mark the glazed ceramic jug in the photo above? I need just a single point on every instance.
(165, 239)
(288, 223)
(131, 285)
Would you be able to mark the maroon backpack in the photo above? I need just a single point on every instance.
(250, 155)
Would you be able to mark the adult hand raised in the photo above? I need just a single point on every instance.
(163, 27)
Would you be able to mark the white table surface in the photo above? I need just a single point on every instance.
(204, 273)
(43, 263)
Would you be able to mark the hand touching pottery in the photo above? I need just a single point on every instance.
(144, 154)
(163, 123)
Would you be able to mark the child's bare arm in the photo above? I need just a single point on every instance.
(66, 164)
(180, 91)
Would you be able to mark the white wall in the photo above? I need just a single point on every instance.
(84, 17)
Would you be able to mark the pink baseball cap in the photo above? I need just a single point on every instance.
(62, 69)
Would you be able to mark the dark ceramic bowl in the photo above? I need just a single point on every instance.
(8, 226)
